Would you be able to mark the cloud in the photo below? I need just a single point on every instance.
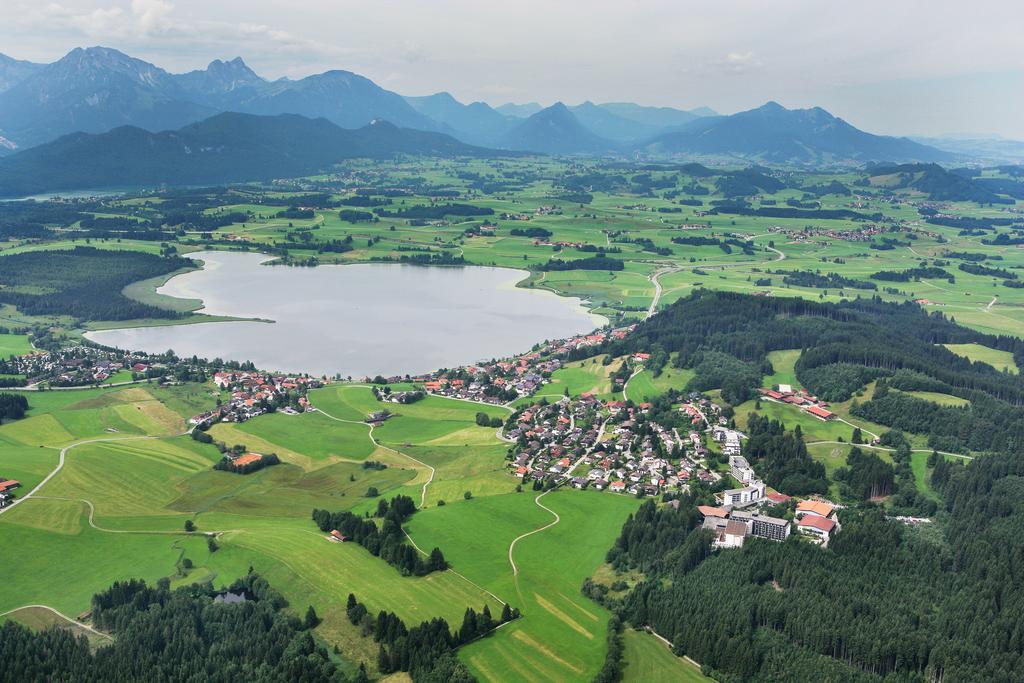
(736, 63)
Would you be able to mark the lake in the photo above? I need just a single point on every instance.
(356, 320)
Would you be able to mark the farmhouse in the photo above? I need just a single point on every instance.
(247, 459)
(7, 487)
(820, 413)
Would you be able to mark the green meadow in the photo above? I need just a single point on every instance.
(648, 660)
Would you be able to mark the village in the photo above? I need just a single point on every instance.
(255, 393)
(82, 366)
(614, 446)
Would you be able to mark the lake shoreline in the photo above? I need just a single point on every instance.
(479, 311)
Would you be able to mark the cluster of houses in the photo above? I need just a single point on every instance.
(253, 393)
(784, 393)
(7, 487)
(605, 445)
(81, 366)
(502, 381)
(862, 233)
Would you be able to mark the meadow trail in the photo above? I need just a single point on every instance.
(512, 545)
(888, 450)
(143, 532)
(63, 455)
(63, 616)
(423, 494)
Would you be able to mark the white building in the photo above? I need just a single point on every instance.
(748, 495)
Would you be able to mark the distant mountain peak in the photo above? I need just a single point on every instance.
(555, 130)
(775, 134)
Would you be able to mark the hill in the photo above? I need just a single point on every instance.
(938, 183)
(342, 97)
(221, 83)
(97, 89)
(555, 130)
(772, 133)
(519, 111)
(224, 148)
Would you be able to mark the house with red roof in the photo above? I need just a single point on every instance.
(819, 527)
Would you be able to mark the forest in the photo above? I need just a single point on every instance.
(12, 406)
(180, 635)
(844, 345)
(425, 651)
(83, 282)
(883, 602)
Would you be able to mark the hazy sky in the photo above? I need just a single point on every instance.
(889, 66)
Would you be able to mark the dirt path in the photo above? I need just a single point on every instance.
(512, 545)
(377, 444)
(625, 386)
(63, 455)
(65, 617)
(889, 450)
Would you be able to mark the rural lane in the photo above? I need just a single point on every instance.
(377, 444)
(63, 454)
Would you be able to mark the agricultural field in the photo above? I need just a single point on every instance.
(648, 660)
(1000, 360)
(14, 345)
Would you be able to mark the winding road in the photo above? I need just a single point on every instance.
(377, 444)
(512, 545)
(63, 455)
(653, 308)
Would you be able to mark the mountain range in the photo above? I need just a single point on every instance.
(98, 89)
(227, 147)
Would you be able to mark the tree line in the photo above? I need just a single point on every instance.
(426, 651)
(179, 635)
(386, 541)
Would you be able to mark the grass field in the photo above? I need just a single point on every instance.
(1000, 360)
(14, 345)
(648, 660)
(561, 635)
(783, 362)
(644, 385)
(580, 377)
(941, 399)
